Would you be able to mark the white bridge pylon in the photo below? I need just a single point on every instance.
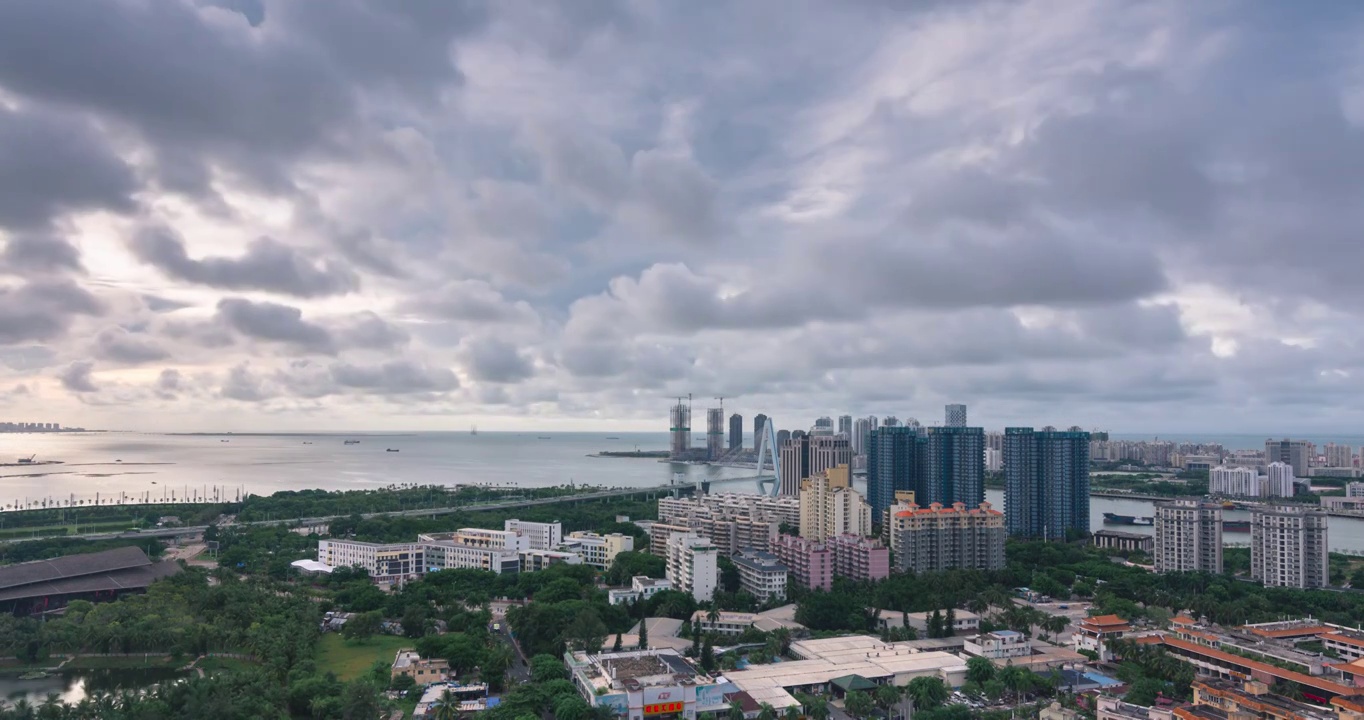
(767, 446)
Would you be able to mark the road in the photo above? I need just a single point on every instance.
(421, 512)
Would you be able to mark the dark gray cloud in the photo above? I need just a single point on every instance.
(52, 163)
(495, 360)
(30, 253)
(244, 385)
(394, 377)
(168, 384)
(267, 265)
(43, 310)
(369, 331)
(76, 377)
(273, 322)
(118, 345)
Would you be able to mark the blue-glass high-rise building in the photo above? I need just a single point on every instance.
(1046, 481)
(954, 469)
(895, 458)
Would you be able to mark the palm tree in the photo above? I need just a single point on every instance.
(713, 614)
(859, 704)
(446, 707)
(887, 695)
(767, 712)
(735, 712)
(792, 713)
(816, 707)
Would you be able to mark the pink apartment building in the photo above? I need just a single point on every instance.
(809, 564)
(860, 558)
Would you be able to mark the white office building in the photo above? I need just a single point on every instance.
(497, 551)
(1280, 481)
(693, 565)
(385, 562)
(641, 588)
(542, 536)
(999, 645)
(1235, 482)
(1354, 490)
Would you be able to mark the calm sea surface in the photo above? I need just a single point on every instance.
(154, 466)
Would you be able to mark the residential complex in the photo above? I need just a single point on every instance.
(693, 565)
(542, 536)
(954, 469)
(599, 551)
(1288, 546)
(830, 506)
(736, 431)
(859, 558)
(782, 509)
(761, 575)
(894, 462)
(810, 564)
(1280, 480)
(1046, 479)
(945, 538)
(1188, 536)
(1235, 482)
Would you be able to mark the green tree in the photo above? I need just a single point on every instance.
(362, 626)
(402, 683)
(887, 695)
(586, 632)
(708, 656)
(1145, 691)
(859, 704)
(360, 701)
(735, 711)
(928, 692)
(767, 712)
(816, 706)
(544, 668)
(643, 633)
(994, 689)
(979, 670)
(616, 646)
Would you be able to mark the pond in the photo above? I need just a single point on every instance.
(72, 686)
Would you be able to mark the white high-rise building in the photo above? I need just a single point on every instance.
(1288, 546)
(1235, 482)
(542, 536)
(994, 460)
(1188, 536)
(693, 565)
(955, 415)
(1280, 483)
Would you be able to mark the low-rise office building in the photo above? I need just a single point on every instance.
(537, 560)
(641, 684)
(999, 645)
(641, 588)
(1124, 541)
(541, 536)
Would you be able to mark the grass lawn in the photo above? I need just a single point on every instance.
(216, 664)
(152, 660)
(349, 660)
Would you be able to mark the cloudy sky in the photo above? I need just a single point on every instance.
(238, 214)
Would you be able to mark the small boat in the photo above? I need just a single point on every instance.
(391, 450)
(612, 437)
(473, 429)
(153, 482)
(543, 437)
(1115, 519)
(351, 442)
(224, 441)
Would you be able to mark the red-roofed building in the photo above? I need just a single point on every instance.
(1096, 633)
(946, 538)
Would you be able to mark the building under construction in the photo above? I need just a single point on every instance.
(715, 433)
(679, 426)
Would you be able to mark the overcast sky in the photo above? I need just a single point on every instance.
(247, 214)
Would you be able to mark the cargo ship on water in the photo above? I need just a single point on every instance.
(1237, 526)
(1116, 519)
